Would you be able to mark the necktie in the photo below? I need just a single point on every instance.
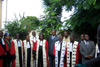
(87, 44)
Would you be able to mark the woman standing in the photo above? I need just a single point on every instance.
(11, 53)
(40, 50)
(28, 46)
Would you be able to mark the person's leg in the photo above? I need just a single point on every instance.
(20, 56)
(42, 60)
(50, 61)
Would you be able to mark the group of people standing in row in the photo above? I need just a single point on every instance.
(58, 51)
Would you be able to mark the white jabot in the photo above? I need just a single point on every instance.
(28, 45)
(19, 44)
(34, 38)
(3, 42)
(41, 43)
(70, 47)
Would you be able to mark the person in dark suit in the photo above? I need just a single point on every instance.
(87, 49)
(81, 38)
(96, 61)
(52, 39)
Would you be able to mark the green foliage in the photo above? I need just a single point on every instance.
(22, 26)
(52, 18)
(30, 22)
(85, 18)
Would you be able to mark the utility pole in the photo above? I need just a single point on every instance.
(0, 14)
(6, 10)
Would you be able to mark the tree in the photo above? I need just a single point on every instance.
(52, 18)
(22, 26)
(86, 20)
(30, 22)
(85, 17)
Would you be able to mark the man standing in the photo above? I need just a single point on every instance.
(3, 51)
(59, 53)
(34, 38)
(81, 38)
(66, 37)
(96, 61)
(87, 49)
(52, 39)
(72, 52)
(28, 44)
(19, 51)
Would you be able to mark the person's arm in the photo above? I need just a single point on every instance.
(6, 48)
(12, 50)
(12, 53)
(81, 51)
(93, 52)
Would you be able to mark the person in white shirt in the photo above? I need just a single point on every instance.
(34, 37)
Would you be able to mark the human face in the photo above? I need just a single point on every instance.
(17, 36)
(71, 38)
(86, 37)
(66, 34)
(61, 38)
(7, 37)
(1, 34)
(27, 38)
(82, 37)
(33, 33)
(41, 37)
(53, 32)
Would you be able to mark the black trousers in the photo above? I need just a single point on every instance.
(20, 56)
(28, 57)
(9, 60)
(70, 59)
(5, 61)
(40, 57)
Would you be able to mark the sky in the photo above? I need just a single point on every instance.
(26, 7)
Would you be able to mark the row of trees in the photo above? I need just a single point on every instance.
(85, 18)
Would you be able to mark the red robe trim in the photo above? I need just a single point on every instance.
(78, 55)
(12, 52)
(2, 52)
(46, 48)
(65, 54)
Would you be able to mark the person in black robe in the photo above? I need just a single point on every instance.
(28, 52)
(19, 50)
